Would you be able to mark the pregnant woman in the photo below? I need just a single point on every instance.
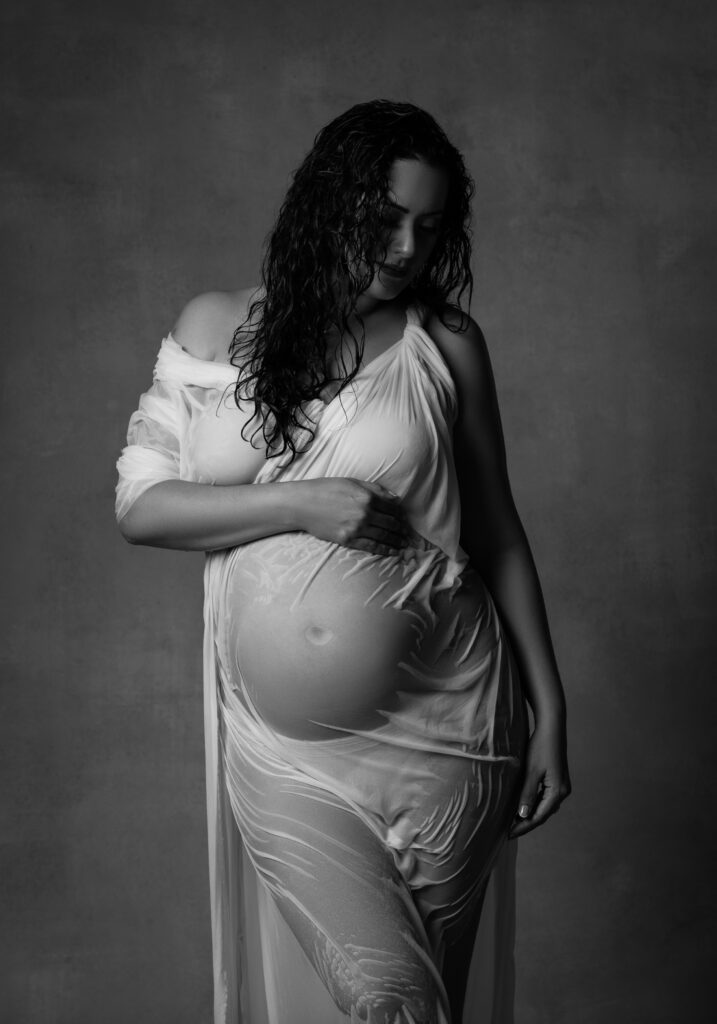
(374, 624)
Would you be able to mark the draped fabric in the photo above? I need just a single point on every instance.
(364, 723)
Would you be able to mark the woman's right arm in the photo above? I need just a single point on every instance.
(202, 517)
(206, 517)
(176, 513)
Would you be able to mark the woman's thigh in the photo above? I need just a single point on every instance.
(339, 890)
(456, 845)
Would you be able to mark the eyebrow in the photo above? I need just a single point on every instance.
(397, 206)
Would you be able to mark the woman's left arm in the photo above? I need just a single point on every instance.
(493, 537)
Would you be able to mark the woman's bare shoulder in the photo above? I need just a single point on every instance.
(205, 327)
(461, 343)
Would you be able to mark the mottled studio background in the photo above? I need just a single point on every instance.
(148, 146)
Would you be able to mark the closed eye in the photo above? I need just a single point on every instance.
(392, 224)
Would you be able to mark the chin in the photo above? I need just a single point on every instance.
(384, 288)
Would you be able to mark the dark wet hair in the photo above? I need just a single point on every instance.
(320, 258)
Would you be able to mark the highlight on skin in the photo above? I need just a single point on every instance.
(322, 254)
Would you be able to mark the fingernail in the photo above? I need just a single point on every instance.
(524, 811)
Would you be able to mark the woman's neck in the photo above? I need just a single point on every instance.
(374, 312)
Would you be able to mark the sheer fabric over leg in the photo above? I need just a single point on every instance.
(374, 892)
(339, 890)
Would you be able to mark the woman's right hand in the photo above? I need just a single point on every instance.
(355, 514)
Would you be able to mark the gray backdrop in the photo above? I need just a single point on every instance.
(149, 146)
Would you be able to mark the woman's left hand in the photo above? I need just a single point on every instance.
(546, 782)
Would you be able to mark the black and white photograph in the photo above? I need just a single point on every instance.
(359, 480)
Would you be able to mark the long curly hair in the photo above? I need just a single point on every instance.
(320, 257)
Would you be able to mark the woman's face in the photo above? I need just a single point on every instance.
(412, 218)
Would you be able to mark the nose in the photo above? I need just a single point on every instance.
(404, 242)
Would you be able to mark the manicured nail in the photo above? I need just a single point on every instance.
(524, 811)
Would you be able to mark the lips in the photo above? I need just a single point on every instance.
(392, 271)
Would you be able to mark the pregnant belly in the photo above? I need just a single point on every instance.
(318, 635)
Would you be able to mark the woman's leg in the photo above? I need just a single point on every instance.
(339, 890)
(457, 962)
(453, 863)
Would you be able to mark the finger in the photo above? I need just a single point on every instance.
(376, 540)
(526, 802)
(391, 525)
(527, 826)
(397, 541)
(388, 507)
(528, 798)
(548, 804)
(373, 546)
(381, 496)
